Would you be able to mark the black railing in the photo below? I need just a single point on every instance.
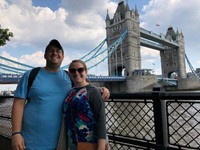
(153, 120)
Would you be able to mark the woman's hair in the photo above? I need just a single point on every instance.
(78, 61)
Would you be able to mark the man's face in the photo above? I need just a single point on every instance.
(54, 56)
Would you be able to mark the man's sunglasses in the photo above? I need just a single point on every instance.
(80, 70)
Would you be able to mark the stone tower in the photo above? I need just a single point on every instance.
(173, 59)
(127, 57)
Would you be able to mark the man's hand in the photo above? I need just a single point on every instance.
(18, 142)
(105, 93)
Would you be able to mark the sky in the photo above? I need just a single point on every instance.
(79, 25)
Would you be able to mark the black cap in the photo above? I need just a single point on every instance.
(54, 43)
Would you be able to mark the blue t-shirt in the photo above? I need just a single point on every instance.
(43, 114)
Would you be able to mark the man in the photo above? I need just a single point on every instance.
(36, 125)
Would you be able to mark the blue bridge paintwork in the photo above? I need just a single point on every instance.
(15, 78)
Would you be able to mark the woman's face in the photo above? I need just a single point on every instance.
(78, 73)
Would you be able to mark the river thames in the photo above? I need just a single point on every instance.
(8, 87)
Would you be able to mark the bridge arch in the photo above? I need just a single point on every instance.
(119, 70)
(173, 75)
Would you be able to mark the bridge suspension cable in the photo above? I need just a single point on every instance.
(112, 48)
(12, 66)
(93, 55)
(191, 67)
(97, 52)
(16, 62)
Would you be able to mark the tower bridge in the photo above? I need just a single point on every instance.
(124, 38)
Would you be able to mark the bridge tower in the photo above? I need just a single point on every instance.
(127, 57)
(173, 59)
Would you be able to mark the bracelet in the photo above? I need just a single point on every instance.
(16, 133)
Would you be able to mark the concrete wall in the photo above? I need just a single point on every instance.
(140, 83)
(188, 84)
(133, 84)
(116, 87)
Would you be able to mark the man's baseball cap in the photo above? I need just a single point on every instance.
(54, 43)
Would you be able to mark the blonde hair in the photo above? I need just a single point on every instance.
(78, 61)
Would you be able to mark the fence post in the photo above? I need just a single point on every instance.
(160, 118)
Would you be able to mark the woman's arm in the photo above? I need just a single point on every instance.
(98, 106)
(101, 144)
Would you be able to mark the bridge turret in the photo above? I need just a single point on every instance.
(170, 35)
(127, 11)
(107, 19)
(107, 16)
(136, 12)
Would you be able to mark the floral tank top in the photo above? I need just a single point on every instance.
(80, 120)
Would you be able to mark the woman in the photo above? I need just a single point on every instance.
(85, 110)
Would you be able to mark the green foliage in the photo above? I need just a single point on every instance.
(4, 36)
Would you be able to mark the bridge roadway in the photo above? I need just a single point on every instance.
(155, 41)
(15, 78)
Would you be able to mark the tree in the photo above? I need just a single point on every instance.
(4, 36)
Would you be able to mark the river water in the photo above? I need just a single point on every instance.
(8, 87)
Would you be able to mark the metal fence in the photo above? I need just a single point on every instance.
(5, 115)
(140, 121)
(156, 120)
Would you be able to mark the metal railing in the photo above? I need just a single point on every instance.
(153, 120)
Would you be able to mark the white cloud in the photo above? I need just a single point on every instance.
(35, 59)
(79, 30)
(147, 52)
(7, 55)
(151, 59)
(181, 15)
(80, 27)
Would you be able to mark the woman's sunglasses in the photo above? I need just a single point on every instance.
(80, 70)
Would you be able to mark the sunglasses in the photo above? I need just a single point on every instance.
(80, 70)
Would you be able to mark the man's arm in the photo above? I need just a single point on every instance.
(105, 93)
(16, 119)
